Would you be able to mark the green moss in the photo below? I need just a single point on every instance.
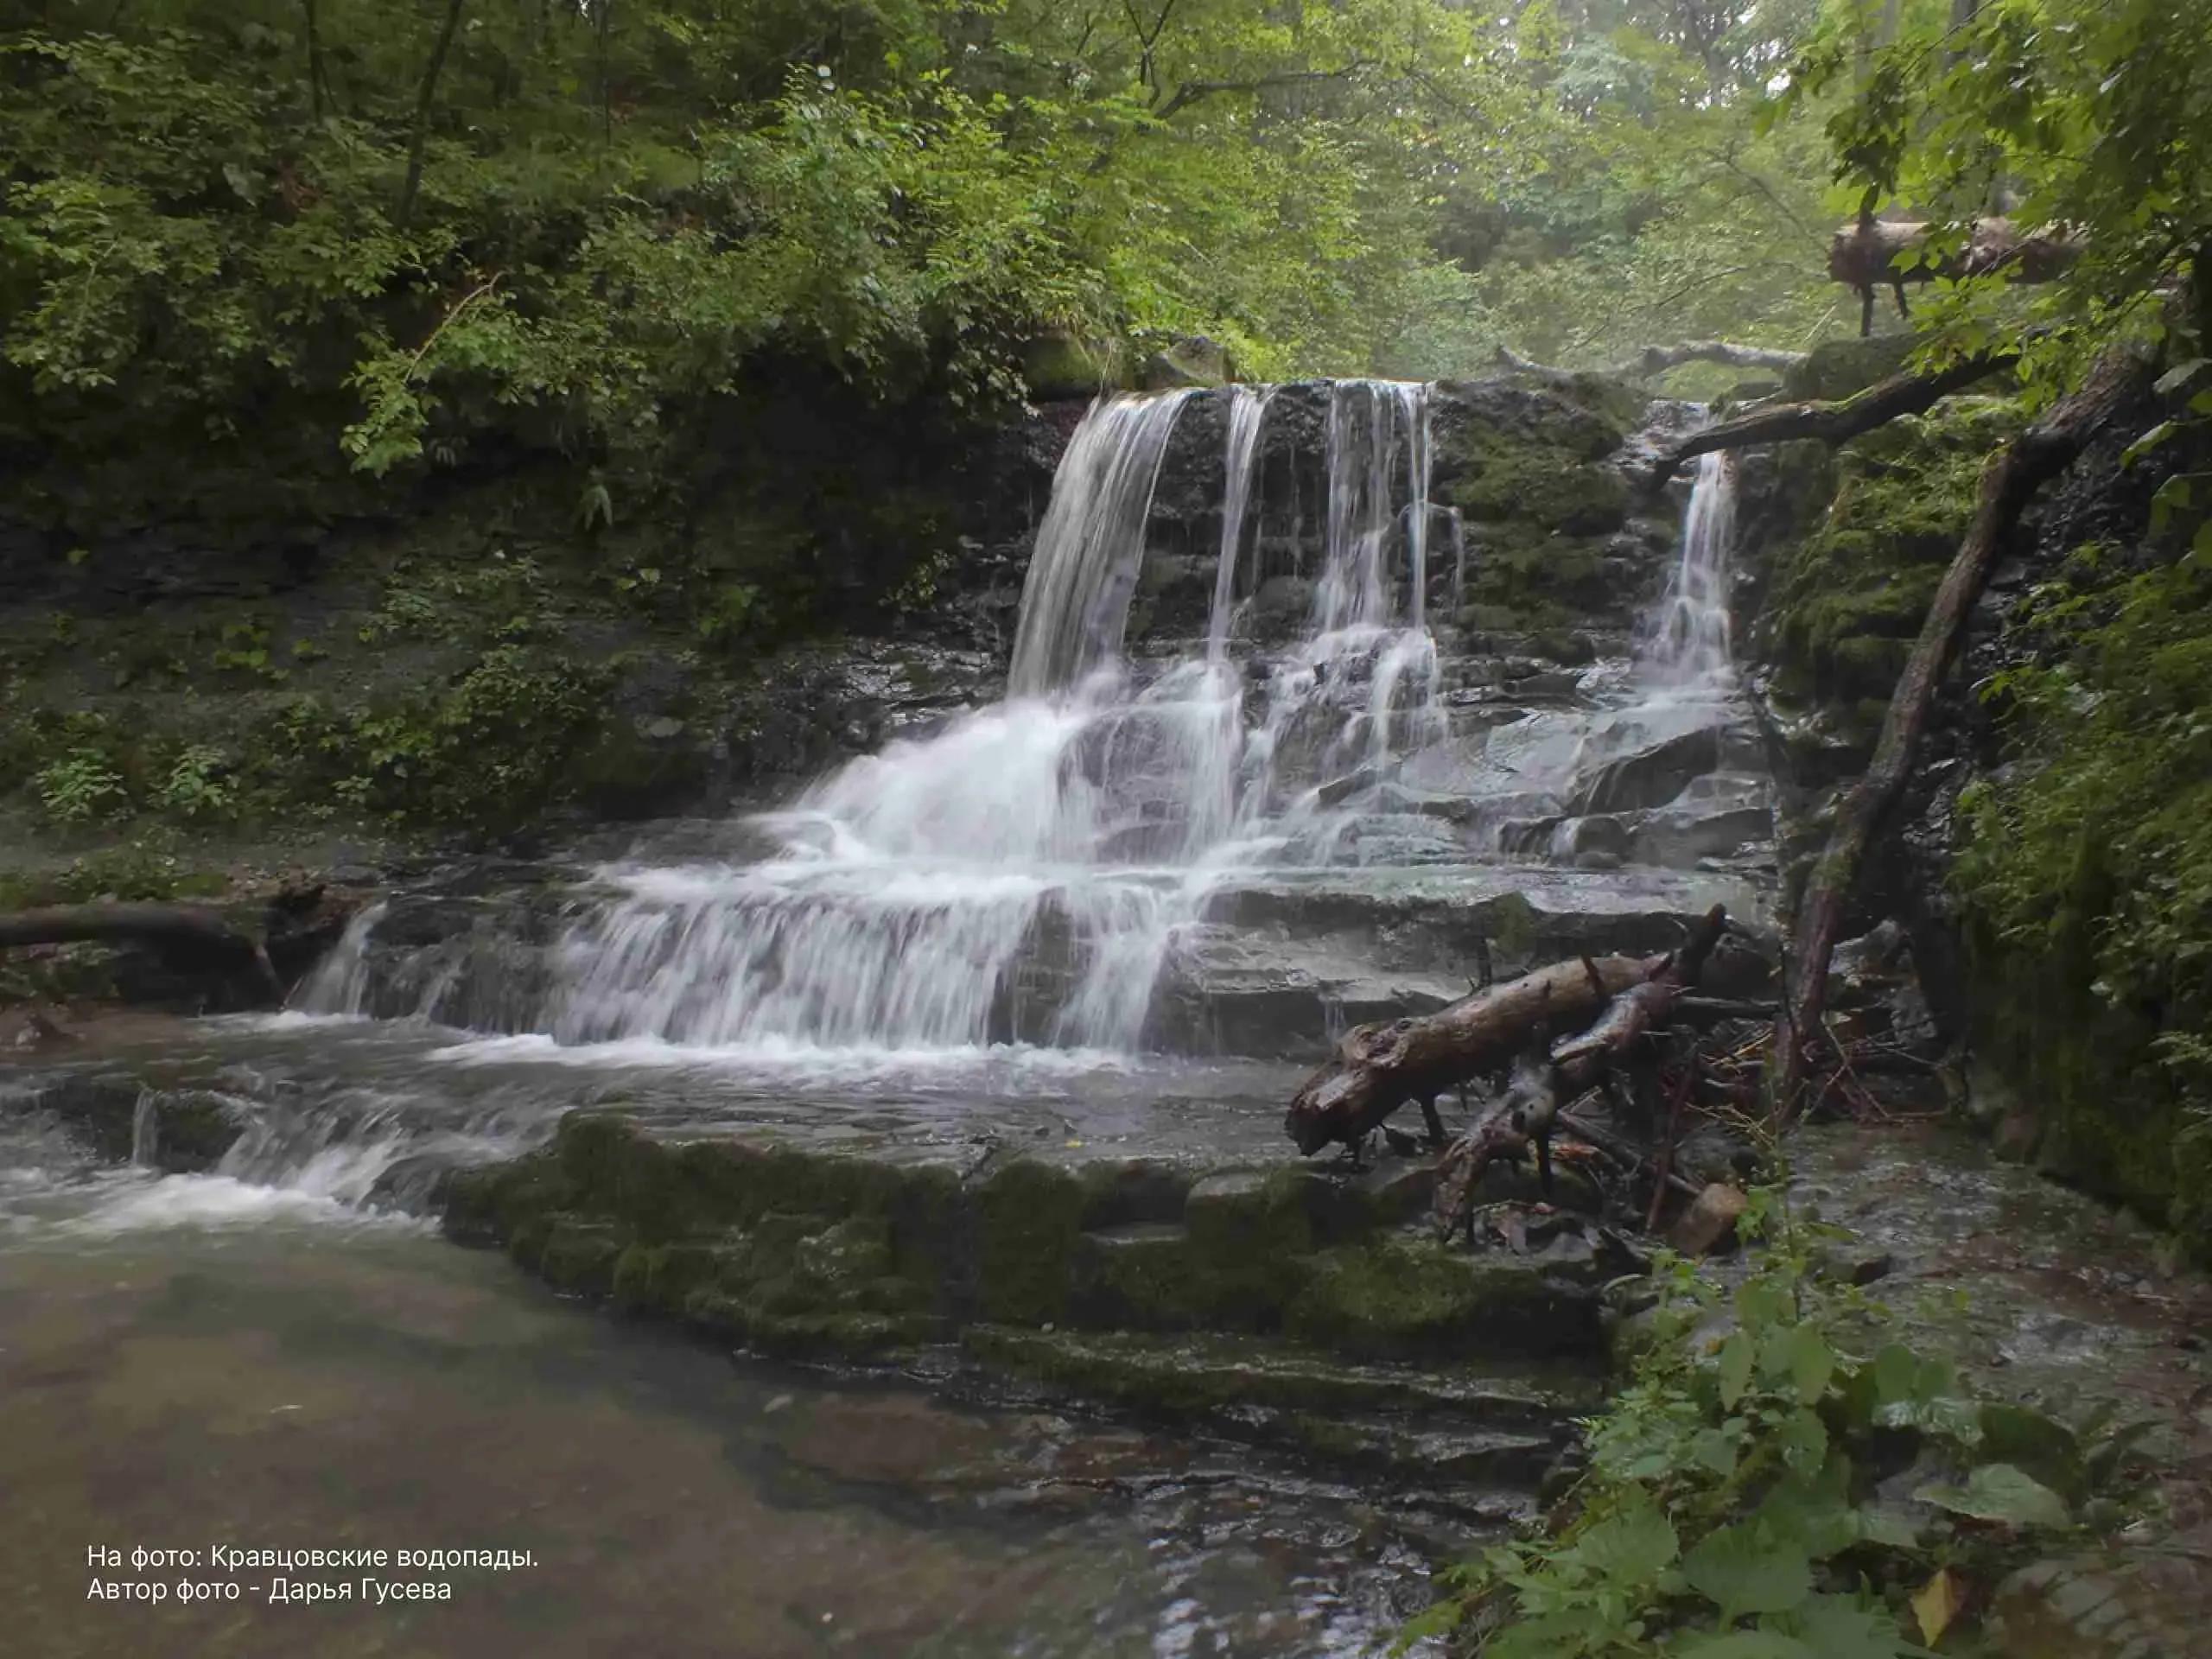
(1408, 1296)
(2085, 883)
(1838, 368)
(1059, 364)
(1847, 601)
(1028, 1219)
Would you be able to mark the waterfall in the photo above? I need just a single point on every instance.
(1248, 411)
(1690, 639)
(145, 1130)
(1076, 599)
(339, 983)
(1023, 873)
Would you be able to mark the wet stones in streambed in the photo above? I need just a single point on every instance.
(787, 1248)
(119, 1120)
(1506, 1425)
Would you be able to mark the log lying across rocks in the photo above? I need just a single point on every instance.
(199, 933)
(1378, 1068)
(1528, 1114)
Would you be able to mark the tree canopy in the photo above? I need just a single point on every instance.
(414, 225)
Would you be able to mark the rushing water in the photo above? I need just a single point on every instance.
(1068, 831)
(951, 945)
(1690, 642)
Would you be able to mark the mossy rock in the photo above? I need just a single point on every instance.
(1837, 368)
(1847, 601)
(1061, 365)
(1411, 1296)
(1028, 1219)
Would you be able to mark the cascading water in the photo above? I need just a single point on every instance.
(1075, 600)
(1022, 873)
(1690, 643)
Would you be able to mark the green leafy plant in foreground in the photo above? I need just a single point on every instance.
(1778, 1482)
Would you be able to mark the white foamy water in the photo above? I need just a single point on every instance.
(1690, 642)
(1020, 876)
(1018, 879)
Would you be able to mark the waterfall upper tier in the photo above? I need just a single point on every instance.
(1366, 644)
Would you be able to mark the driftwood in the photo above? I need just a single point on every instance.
(1834, 421)
(2010, 478)
(1530, 1114)
(200, 932)
(1378, 1068)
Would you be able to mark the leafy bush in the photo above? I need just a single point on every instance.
(79, 787)
(1778, 1482)
(199, 786)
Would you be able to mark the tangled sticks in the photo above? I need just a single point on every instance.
(1378, 1068)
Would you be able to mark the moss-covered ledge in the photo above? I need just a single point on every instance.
(794, 1249)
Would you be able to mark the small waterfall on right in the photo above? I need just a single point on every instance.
(1690, 642)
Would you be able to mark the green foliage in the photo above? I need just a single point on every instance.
(1743, 1493)
(79, 787)
(199, 786)
(2087, 874)
(623, 212)
(2089, 118)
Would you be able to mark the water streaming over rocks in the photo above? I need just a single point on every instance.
(1057, 870)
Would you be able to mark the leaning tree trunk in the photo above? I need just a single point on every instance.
(1834, 421)
(2011, 478)
(424, 101)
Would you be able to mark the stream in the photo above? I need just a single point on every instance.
(1100, 931)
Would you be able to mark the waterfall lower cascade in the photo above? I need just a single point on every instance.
(1023, 873)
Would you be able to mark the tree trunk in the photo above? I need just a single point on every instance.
(1877, 253)
(423, 102)
(197, 931)
(2011, 477)
(1378, 1068)
(1833, 423)
(605, 9)
(314, 59)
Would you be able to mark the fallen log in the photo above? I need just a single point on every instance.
(2008, 481)
(1529, 1115)
(1378, 1068)
(1837, 421)
(1878, 252)
(1871, 252)
(197, 932)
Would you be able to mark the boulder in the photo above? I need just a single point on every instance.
(1192, 361)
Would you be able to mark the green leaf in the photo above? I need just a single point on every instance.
(2000, 1491)
(1744, 1644)
(1736, 1357)
(1804, 1440)
(1806, 1357)
(1844, 1627)
(1632, 1546)
(1749, 1568)
(1717, 1449)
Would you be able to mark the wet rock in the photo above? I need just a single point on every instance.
(1193, 361)
(1710, 1220)
(116, 1118)
(1653, 776)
